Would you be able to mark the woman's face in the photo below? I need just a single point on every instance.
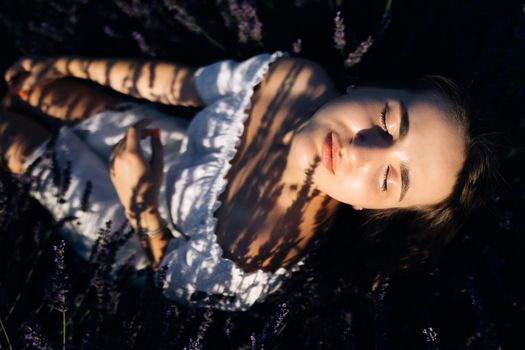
(382, 148)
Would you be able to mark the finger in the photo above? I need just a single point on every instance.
(134, 135)
(22, 65)
(157, 153)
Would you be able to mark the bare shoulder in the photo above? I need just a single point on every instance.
(302, 75)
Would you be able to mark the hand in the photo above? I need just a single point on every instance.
(136, 180)
(27, 72)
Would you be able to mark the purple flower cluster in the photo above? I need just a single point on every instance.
(280, 317)
(297, 46)
(430, 335)
(203, 327)
(248, 24)
(143, 45)
(356, 56)
(35, 338)
(182, 16)
(339, 32)
(58, 296)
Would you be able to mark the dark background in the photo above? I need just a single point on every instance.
(471, 295)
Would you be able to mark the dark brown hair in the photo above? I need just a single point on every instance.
(400, 238)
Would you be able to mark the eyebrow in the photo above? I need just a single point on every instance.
(403, 131)
(403, 125)
(405, 181)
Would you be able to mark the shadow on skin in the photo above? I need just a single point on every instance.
(257, 172)
(282, 241)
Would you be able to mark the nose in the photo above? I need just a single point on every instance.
(368, 147)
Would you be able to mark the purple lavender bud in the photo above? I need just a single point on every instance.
(355, 56)
(208, 319)
(430, 335)
(253, 341)
(385, 22)
(34, 337)
(280, 316)
(110, 32)
(297, 46)
(228, 326)
(144, 47)
(58, 296)
(339, 32)
(182, 16)
(248, 24)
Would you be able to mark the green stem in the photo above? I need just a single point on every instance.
(211, 40)
(63, 330)
(388, 6)
(5, 333)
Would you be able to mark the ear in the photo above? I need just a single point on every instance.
(350, 88)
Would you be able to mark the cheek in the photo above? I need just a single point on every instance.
(354, 190)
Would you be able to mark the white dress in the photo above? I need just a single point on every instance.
(197, 157)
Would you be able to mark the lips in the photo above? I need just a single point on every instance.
(330, 151)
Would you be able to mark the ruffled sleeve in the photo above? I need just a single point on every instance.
(227, 77)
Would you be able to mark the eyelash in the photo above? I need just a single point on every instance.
(383, 119)
(384, 186)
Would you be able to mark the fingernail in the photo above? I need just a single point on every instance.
(22, 93)
(156, 133)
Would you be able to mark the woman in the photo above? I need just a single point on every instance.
(227, 204)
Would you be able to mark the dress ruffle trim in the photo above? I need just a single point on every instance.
(219, 183)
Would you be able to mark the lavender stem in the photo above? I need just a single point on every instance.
(6, 336)
(64, 330)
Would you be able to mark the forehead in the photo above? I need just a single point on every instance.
(434, 149)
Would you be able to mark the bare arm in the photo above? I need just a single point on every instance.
(156, 81)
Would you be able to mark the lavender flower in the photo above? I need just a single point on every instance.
(228, 326)
(143, 45)
(430, 335)
(103, 255)
(58, 297)
(339, 32)
(197, 343)
(248, 24)
(385, 22)
(34, 337)
(280, 316)
(110, 32)
(253, 341)
(182, 16)
(297, 46)
(355, 56)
